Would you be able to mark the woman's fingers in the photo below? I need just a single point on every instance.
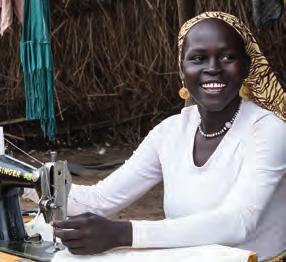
(81, 251)
(73, 244)
(73, 222)
(70, 234)
(67, 224)
(78, 251)
(88, 233)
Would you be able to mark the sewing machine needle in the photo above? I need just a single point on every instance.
(54, 237)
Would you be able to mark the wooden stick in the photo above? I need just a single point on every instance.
(13, 121)
(57, 98)
(186, 10)
(14, 137)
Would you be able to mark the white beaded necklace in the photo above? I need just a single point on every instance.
(227, 126)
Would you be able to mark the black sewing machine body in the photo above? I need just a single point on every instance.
(52, 182)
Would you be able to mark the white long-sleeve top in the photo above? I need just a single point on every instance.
(236, 198)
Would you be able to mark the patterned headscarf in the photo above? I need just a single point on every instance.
(261, 86)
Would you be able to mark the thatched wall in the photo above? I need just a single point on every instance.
(115, 66)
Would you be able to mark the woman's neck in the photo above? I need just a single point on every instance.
(214, 121)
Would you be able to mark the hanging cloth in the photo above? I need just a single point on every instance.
(18, 6)
(37, 64)
(6, 15)
(8, 9)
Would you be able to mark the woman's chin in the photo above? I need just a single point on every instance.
(213, 105)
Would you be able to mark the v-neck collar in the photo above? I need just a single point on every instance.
(229, 138)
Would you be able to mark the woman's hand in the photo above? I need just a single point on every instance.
(89, 234)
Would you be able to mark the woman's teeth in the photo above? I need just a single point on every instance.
(213, 88)
(213, 85)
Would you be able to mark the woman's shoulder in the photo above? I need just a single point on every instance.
(260, 115)
(263, 126)
(265, 134)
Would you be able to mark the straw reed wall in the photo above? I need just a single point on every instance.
(115, 66)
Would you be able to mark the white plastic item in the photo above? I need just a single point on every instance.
(2, 145)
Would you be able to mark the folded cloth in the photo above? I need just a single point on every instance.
(214, 253)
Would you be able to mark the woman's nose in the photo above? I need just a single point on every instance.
(213, 66)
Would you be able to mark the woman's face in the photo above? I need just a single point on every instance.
(214, 64)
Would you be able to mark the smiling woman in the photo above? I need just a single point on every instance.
(222, 167)
(214, 64)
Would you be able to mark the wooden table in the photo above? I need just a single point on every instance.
(4, 257)
(253, 258)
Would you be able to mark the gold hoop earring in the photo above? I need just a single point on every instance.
(244, 92)
(184, 93)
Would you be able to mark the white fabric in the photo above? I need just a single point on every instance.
(237, 198)
(38, 225)
(212, 253)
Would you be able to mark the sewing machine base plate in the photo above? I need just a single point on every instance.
(35, 251)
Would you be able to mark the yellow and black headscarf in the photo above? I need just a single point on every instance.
(261, 86)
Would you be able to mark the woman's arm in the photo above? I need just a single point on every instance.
(92, 232)
(124, 186)
(128, 183)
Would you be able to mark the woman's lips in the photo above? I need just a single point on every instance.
(213, 87)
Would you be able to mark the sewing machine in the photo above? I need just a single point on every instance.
(52, 182)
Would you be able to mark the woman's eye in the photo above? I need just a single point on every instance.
(197, 58)
(227, 58)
